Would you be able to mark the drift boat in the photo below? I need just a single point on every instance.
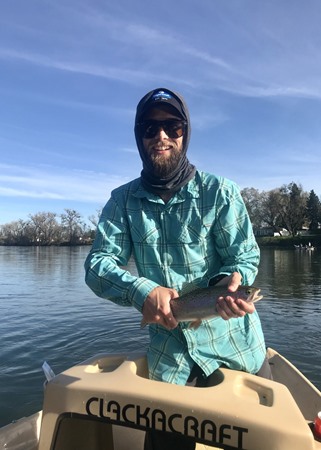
(107, 403)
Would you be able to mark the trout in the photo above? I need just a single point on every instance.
(200, 304)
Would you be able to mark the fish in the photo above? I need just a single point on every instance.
(200, 304)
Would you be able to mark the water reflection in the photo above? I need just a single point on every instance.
(291, 274)
(291, 308)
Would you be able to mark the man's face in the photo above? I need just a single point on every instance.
(163, 152)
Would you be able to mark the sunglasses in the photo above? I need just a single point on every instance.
(173, 128)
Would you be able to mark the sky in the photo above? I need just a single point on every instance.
(73, 71)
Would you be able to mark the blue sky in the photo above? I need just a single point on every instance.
(73, 71)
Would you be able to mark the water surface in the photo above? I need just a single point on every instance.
(49, 314)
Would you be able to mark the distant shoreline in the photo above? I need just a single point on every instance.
(266, 241)
(288, 241)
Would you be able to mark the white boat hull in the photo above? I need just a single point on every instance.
(107, 402)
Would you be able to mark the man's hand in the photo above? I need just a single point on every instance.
(157, 308)
(227, 306)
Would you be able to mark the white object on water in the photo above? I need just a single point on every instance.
(49, 373)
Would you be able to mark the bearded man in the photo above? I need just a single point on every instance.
(183, 227)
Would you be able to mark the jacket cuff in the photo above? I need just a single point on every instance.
(139, 291)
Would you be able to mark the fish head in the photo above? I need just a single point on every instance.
(252, 294)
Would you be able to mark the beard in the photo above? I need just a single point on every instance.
(163, 166)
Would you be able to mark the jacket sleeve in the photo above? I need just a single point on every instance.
(234, 238)
(104, 265)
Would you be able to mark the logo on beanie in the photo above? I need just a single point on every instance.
(161, 96)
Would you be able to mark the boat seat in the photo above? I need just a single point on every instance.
(107, 403)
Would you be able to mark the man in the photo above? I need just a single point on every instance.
(184, 227)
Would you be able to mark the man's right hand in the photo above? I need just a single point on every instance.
(157, 308)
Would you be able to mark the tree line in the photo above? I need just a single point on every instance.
(288, 207)
(48, 228)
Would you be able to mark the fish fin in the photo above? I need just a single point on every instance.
(188, 287)
(195, 324)
(143, 324)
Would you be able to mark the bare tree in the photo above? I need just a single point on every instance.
(73, 226)
(253, 200)
(44, 228)
(15, 233)
(94, 219)
(293, 202)
(271, 209)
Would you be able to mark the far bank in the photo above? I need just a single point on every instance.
(289, 241)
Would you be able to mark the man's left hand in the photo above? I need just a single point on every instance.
(229, 307)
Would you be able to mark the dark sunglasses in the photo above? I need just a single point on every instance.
(173, 128)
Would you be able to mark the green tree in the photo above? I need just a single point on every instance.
(292, 207)
(313, 211)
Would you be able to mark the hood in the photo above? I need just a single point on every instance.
(184, 170)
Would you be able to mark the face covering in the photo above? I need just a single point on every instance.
(184, 171)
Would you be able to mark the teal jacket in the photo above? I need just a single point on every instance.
(203, 231)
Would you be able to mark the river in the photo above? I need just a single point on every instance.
(49, 314)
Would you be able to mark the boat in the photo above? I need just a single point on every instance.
(310, 248)
(304, 247)
(107, 403)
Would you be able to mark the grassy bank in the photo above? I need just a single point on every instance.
(288, 241)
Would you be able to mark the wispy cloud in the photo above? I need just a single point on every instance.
(72, 71)
(266, 67)
(45, 182)
(117, 73)
(203, 121)
(272, 91)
